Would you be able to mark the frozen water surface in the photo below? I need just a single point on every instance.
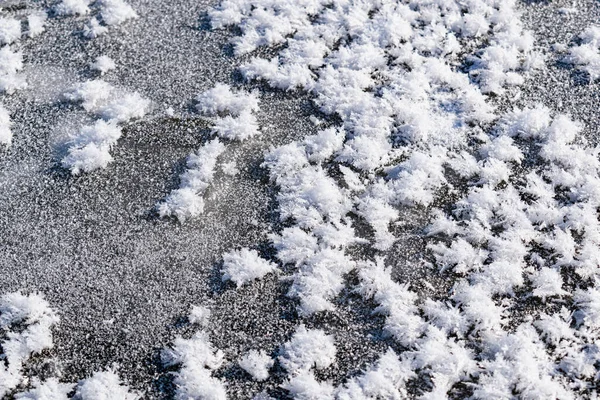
(123, 280)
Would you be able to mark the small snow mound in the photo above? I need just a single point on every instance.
(103, 64)
(187, 202)
(257, 364)
(5, 124)
(245, 265)
(306, 349)
(73, 7)
(104, 385)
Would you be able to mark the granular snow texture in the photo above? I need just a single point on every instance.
(123, 280)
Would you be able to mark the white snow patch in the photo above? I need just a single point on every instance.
(257, 363)
(245, 265)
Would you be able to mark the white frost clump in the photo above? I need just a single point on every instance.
(5, 124)
(10, 63)
(199, 315)
(92, 94)
(257, 364)
(306, 349)
(90, 149)
(587, 55)
(51, 389)
(198, 360)
(384, 380)
(304, 386)
(125, 108)
(28, 321)
(103, 64)
(10, 30)
(104, 385)
(115, 12)
(222, 99)
(547, 282)
(187, 202)
(73, 7)
(241, 124)
(94, 29)
(101, 98)
(245, 265)
(36, 22)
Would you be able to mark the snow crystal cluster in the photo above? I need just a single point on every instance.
(5, 124)
(410, 83)
(586, 56)
(240, 123)
(245, 265)
(89, 149)
(187, 202)
(111, 12)
(103, 64)
(197, 360)
(25, 329)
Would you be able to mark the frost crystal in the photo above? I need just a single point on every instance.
(243, 266)
(187, 202)
(257, 364)
(103, 64)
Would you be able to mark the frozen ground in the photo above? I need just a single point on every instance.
(123, 280)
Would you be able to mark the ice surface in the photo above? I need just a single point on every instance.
(422, 175)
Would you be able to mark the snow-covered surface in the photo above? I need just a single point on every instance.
(425, 184)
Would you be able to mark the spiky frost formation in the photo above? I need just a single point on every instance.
(245, 265)
(241, 124)
(73, 7)
(27, 321)
(586, 56)
(187, 202)
(104, 385)
(10, 30)
(197, 360)
(115, 12)
(11, 62)
(257, 364)
(89, 149)
(51, 389)
(308, 348)
(103, 64)
(5, 124)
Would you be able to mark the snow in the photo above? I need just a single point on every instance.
(73, 7)
(115, 12)
(36, 24)
(419, 114)
(5, 124)
(103, 64)
(307, 348)
(10, 63)
(244, 266)
(241, 124)
(199, 315)
(257, 363)
(197, 359)
(90, 148)
(103, 385)
(51, 389)
(94, 29)
(187, 201)
(27, 321)
(128, 107)
(10, 30)
(222, 99)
